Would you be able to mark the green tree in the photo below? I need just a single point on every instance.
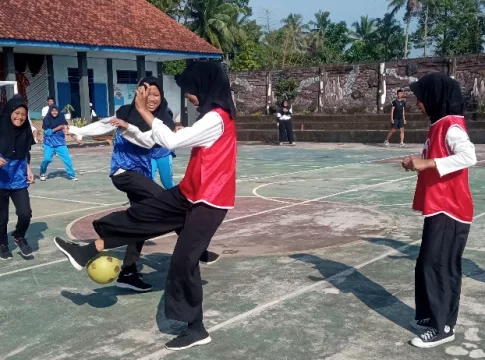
(363, 30)
(389, 39)
(412, 7)
(319, 28)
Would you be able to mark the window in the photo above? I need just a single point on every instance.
(73, 75)
(128, 76)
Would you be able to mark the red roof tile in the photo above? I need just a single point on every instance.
(114, 23)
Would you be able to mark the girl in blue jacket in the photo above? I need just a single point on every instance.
(54, 125)
(16, 140)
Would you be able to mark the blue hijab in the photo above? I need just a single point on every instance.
(51, 122)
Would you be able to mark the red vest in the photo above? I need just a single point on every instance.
(449, 194)
(211, 174)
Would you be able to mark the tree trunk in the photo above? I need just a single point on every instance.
(408, 23)
(426, 31)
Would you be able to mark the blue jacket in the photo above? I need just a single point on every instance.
(13, 176)
(54, 139)
(160, 152)
(130, 157)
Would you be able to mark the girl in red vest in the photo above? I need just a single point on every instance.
(443, 197)
(198, 204)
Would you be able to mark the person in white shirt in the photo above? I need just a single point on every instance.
(45, 110)
(285, 125)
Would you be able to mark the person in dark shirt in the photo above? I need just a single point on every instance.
(398, 117)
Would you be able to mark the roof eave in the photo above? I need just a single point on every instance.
(118, 49)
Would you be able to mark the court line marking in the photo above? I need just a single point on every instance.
(160, 353)
(260, 212)
(322, 168)
(68, 200)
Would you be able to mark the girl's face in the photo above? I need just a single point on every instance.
(54, 112)
(192, 99)
(154, 98)
(420, 106)
(285, 103)
(18, 117)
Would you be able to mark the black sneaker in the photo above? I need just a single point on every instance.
(430, 338)
(189, 338)
(5, 253)
(421, 325)
(209, 258)
(79, 256)
(132, 280)
(23, 245)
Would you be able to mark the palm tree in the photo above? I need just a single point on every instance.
(319, 27)
(218, 22)
(363, 30)
(412, 7)
(295, 31)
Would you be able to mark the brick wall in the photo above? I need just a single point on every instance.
(354, 88)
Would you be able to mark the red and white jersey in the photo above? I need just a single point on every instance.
(448, 194)
(210, 177)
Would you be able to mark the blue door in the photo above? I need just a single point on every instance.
(100, 99)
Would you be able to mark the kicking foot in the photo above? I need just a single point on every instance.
(5, 253)
(401, 145)
(23, 245)
(386, 143)
(189, 338)
(421, 325)
(42, 177)
(430, 338)
(79, 256)
(209, 258)
(131, 279)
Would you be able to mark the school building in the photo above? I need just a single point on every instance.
(91, 51)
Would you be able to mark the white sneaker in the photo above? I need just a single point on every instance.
(74, 179)
(386, 143)
(42, 177)
(401, 145)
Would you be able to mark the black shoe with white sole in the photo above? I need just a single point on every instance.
(421, 325)
(5, 253)
(79, 256)
(23, 245)
(132, 280)
(430, 338)
(209, 258)
(189, 338)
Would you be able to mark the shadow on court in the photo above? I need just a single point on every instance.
(370, 293)
(411, 252)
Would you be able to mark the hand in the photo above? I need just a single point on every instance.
(121, 124)
(178, 127)
(30, 176)
(392, 121)
(405, 122)
(3, 162)
(415, 163)
(141, 97)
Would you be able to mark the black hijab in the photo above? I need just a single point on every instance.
(130, 114)
(51, 122)
(15, 142)
(440, 94)
(208, 81)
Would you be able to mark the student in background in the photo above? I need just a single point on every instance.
(55, 126)
(285, 125)
(45, 110)
(398, 117)
(15, 175)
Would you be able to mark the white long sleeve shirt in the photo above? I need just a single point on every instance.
(204, 133)
(285, 116)
(99, 128)
(462, 152)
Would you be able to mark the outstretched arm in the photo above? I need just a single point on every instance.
(99, 128)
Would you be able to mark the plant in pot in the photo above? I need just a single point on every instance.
(67, 111)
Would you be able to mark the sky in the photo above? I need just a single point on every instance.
(346, 10)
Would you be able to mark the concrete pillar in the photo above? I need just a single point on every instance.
(9, 68)
(50, 76)
(82, 61)
(111, 87)
(140, 67)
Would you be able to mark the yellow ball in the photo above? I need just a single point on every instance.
(104, 269)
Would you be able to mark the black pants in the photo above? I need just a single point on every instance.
(286, 131)
(439, 271)
(21, 200)
(137, 187)
(160, 215)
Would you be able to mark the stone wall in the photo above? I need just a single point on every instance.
(356, 88)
